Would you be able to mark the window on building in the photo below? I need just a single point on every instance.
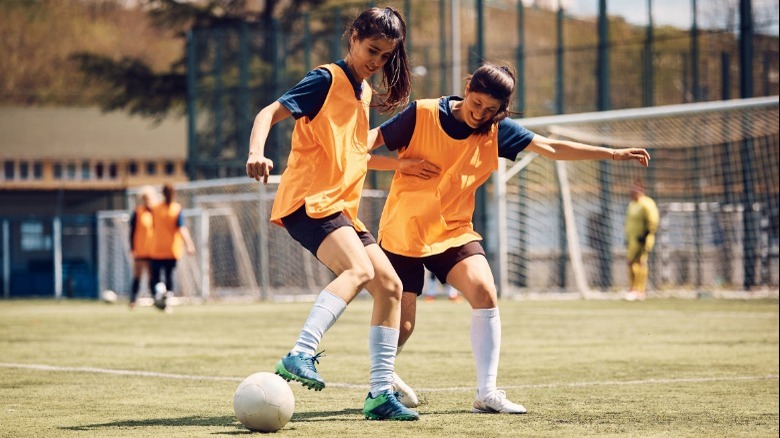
(170, 168)
(151, 168)
(86, 170)
(70, 171)
(24, 170)
(33, 237)
(112, 171)
(132, 168)
(57, 170)
(8, 170)
(99, 170)
(37, 170)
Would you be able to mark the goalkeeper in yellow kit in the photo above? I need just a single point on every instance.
(641, 226)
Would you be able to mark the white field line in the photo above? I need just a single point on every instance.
(353, 386)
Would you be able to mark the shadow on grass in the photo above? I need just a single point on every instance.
(223, 421)
(301, 417)
(340, 415)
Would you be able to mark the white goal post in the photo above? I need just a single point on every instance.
(240, 254)
(552, 226)
(559, 226)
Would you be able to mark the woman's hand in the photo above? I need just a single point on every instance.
(637, 154)
(418, 167)
(258, 166)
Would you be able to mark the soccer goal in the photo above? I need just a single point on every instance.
(239, 253)
(553, 226)
(713, 174)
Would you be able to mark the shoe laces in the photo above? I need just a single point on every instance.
(397, 405)
(310, 361)
(497, 395)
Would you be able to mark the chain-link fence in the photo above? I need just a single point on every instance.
(561, 60)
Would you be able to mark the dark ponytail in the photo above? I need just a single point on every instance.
(396, 77)
(499, 83)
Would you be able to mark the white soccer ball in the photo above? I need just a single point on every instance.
(109, 296)
(264, 402)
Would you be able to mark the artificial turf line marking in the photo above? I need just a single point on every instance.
(349, 385)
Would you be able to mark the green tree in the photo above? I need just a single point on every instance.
(133, 86)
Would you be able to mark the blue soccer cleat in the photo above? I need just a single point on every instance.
(300, 367)
(386, 406)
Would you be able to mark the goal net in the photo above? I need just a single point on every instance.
(713, 174)
(552, 226)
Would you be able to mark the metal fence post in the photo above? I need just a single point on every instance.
(57, 249)
(6, 259)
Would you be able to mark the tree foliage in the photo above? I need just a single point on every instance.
(132, 86)
(135, 87)
(37, 39)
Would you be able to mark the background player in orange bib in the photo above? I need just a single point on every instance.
(319, 192)
(447, 148)
(170, 237)
(142, 240)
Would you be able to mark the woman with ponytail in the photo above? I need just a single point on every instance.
(447, 148)
(319, 192)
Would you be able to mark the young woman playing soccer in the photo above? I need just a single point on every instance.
(142, 241)
(171, 237)
(447, 148)
(319, 192)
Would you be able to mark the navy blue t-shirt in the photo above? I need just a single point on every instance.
(307, 96)
(397, 132)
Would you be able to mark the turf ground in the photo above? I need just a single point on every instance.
(660, 368)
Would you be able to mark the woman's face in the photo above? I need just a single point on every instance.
(368, 55)
(478, 108)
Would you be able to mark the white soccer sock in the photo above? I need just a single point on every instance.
(326, 310)
(382, 344)
(486, 345)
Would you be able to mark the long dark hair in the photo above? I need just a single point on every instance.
(396, 77)
(499, 83)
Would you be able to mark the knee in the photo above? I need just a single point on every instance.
(361, 273)
(390, 284)
(484, 296)
(395, 286)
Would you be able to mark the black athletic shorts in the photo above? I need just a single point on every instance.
(310, 232)
(412, 269)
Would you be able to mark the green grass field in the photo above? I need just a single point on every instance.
(660, 368)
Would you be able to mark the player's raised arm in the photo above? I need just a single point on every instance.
(257, 165)
(571, 150)
(636, 154)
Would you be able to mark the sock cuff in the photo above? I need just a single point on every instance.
(485, 313)
(330, 301)
(383, 335)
